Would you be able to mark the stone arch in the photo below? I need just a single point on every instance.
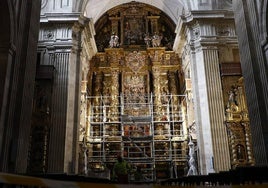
(95, 9)
(165, 27)
(80, 5)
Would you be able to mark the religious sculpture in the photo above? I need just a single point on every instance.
(156, 40)
(147, 40)
(114, 41)
(192, 169)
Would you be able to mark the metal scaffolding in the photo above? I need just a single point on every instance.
(148, 131)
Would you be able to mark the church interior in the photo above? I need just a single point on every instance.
(176, 88)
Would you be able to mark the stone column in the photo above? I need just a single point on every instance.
(212, 137)
(254, 69)
(7, 58)
(204, 35)
(82, 48)
(56, 53)
(73, 101)
(19, 85)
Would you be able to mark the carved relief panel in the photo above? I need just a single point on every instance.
(135, 87)
(135, 94)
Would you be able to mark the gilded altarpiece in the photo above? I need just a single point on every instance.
(132, 23)
(134, 106)
(238, 126)
(135, 110)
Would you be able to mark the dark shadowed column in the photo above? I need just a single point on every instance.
(254, 68)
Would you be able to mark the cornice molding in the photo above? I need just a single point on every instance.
(207, 14)
(194, 20)
(59, 17)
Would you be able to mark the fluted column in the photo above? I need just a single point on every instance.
(57, 54)
(63, 51)
(213, 141)
(58, 111)
(215, 100)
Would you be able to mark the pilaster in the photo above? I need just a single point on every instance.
(82, 50)
(202, 113)
(202, 35)
(212, 136)
(221, 158)
(67, 46)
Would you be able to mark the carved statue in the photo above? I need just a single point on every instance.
(232, 103)
(114, 41)
(147, 40)
(156, 40)
(191, 162)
